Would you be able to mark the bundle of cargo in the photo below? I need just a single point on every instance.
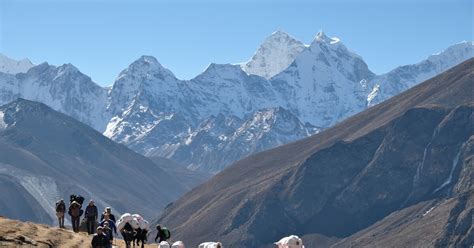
(136, 221)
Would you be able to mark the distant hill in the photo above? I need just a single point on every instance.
(365, 179)
(46, 155)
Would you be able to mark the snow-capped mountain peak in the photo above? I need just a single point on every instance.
(322, 38)
(407, 76)
(67, 69)
(11, 66)
(287, 91)
(455, 53)
(147, 66)
(274, 55)
(225, 71)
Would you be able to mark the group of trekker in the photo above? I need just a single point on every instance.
(104, 240)
(106, 227)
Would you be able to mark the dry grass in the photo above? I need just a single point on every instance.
(27, 234)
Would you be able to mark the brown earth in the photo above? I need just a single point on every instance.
(15, 233)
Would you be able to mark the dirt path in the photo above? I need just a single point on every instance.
(26, 234)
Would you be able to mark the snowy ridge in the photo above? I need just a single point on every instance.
(405, 77)
(64, 88)
(274, 55)
(231, 136)
(11, 66)
(228, 107)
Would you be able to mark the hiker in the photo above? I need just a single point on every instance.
(163, 233)
(107, 222)
(75, 212)
(91, 217)
(108, 211)
(108, 232)
(60, 210)
(100, 240)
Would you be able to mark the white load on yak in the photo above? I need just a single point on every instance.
(136, 221)
(211, 245)
(178, 244)
(292, 241)
(166, 244)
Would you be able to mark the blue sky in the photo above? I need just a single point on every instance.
(102, 38)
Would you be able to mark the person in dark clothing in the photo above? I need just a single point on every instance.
(107, 222)
(163, 234)
(100, 240)
(75, 212)
(108, 211)
(60, 211)
(91, 215)
(109, 234)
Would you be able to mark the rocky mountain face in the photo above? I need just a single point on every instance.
(384, 165)
(46, 155)
(404, 77)
(325, 83)
(274, 55)
(287, 91)
(11, 66)
(205, 123)
(64, 88)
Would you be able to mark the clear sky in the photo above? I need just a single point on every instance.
(102, 38)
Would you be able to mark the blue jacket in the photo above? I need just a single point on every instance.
(111, 225)
(91, 212)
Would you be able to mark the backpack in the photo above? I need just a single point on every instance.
(166, 232)
(78, 198)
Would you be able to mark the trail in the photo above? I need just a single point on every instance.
(27, 234)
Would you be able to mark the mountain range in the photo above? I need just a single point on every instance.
(46, 155)
(399, 174)
(287, 91)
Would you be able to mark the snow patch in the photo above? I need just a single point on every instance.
(3, 125)
(429, 210)
(451, 173)
(373, 94)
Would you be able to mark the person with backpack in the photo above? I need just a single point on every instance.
(108, 223)
(163, 234)
(91, 216)
(100, 240)
(108, 232)
(60, 210)
(108, 211)
(75, 212)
